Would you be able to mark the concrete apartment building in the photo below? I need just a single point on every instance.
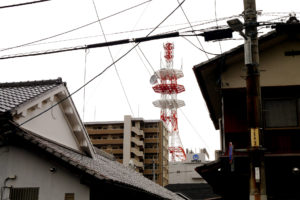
(142, 144)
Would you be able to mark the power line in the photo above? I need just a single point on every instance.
(115, 33)
(146, 59)
(23, 4)
(217, 24)
(37, 42)
(112, 43)
(102, 72)
(143, 62)
(91, 46)
(192, 29)
(74, 29)
(111, 56)
(214, 54)
(194, 129)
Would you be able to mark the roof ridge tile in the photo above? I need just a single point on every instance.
(32, 83)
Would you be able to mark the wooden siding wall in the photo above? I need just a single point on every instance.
(235, 119)
(275, 140)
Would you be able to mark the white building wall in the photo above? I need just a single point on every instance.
(33, 171)
(52, 125)
(184, 172)
(274, 67)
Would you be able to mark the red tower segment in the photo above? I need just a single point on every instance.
(168, 88)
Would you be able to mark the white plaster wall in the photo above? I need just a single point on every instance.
(51, 125)
(33, 171)
(180, 172)
(276, 69)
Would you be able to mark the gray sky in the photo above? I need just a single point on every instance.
(104, 97)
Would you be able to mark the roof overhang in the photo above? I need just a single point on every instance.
(58, 96)
(208, 73)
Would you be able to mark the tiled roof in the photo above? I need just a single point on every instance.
(100, 167)
(15, 94)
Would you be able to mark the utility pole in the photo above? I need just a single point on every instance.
(257, 190)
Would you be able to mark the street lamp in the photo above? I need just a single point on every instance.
(237, 25)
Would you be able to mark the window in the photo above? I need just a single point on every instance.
(69, 196)
(281, 113)
(24, 194)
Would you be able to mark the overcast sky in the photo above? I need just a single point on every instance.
(104, 97)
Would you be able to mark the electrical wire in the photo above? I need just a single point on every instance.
(217, 24)
(111, 56)
(72, 30)
(194, 129)
(39, 42)
(146, 59)
(52, 51)
(143, 62)
(192, 28)
(214, 54)
(23, 4)
(102, 72)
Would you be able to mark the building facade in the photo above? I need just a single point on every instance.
(223, 85)
(184, 172)
(46, 153)
(142, 144)
(183, 178)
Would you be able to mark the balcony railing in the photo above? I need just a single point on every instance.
(107, 141)
(104, 131)
(137, 131)
(137, 152)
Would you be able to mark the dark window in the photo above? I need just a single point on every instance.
(281, 113)
(69, 196)
(24, 194)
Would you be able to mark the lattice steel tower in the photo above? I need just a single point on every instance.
(168, 88)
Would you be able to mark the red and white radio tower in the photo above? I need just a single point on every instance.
(168, 88)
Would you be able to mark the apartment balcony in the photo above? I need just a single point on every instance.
(151, 140)
(151, 150)
(137, 142)
(117, 151)
(137, 131)
(137, 152)
(107, 141)
(137, 163)
(151, 130)
(150, 161)
(104, 131)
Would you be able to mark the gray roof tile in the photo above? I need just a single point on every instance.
(15, 94)
(100, 167)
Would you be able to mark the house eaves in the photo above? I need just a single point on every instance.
(21, 98)
(208, 73)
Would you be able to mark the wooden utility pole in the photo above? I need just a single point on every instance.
(256, 155)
